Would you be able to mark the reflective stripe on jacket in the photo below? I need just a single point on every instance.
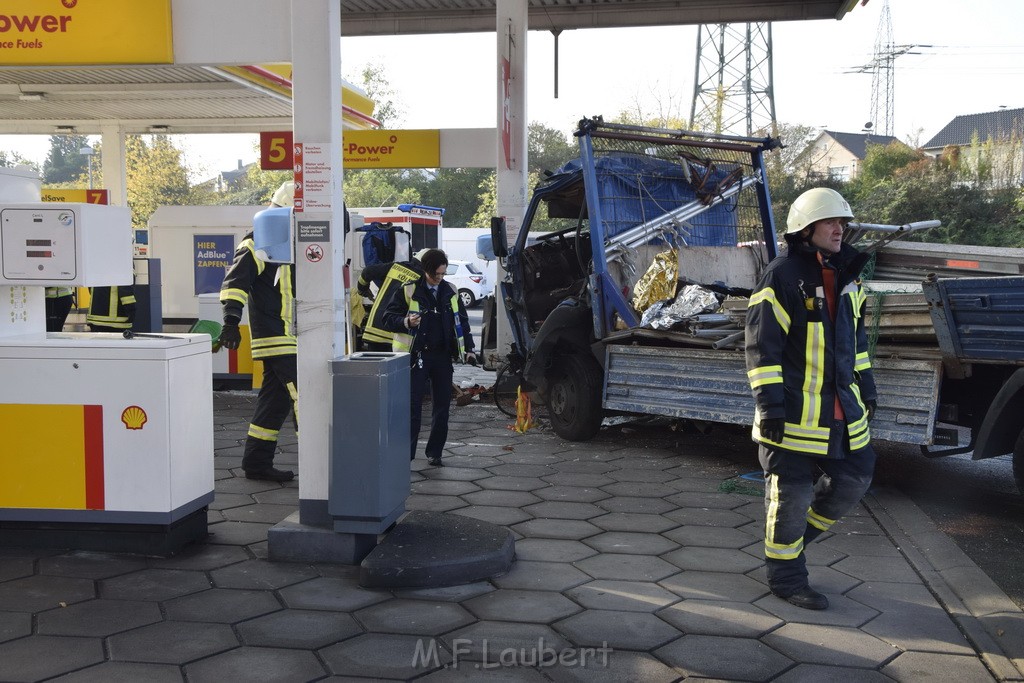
(799, 361)
(398, 276)
(269, 290)
(108, 306)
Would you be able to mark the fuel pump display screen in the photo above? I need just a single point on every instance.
(38, 243)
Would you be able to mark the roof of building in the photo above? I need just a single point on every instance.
(857, 143)
(989, 125)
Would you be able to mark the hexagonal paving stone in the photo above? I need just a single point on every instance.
(444, 488)
(708, 517)
(552, 550)
(584, 467)
(650, 475)
(614, 667)
(573, 494)
(452, 473)
(98, 618)
(502, 498)
(90, 565)
(649, 506)
(433, 503)
(16, 567)
(711, 536)
(262, 575)
(813, 673)
(638, 488)
(705, 499)
(379, 655)
(153, 584)
(281, 496)
(930, 666)
(617, 630)
(264, 513)
(720, 618)
(541, 607)
(512, 483)
(238, 533)
(37, 657)
(256, 664)
(171, 642)
(632, 521)
(627, 596)
(545, 576)
(573, 529)
(519, 470)
(37, 593)
(493, 513)
(294, 628)
(849, 647)
(201, 557)
(717, 559)
(842, 611)
(108, 672)
(630, 543)
(222, 605)
(343, 595)
(413, 617)
(451, 593)
(626, 567)
(14, 625)
(890, 570)
(735, 659)
(491, 638)
(470, 673)
(575, 479)
(552, 509)
(697, 585)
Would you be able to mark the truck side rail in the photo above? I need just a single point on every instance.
(712, 386)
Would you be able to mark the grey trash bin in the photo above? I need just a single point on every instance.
(369, 444)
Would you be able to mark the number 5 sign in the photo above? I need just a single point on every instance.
(276, 151)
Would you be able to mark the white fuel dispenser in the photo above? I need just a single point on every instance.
(108, 441)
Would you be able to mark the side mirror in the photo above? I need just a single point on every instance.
(499, 239)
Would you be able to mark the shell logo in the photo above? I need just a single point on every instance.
(133, 417)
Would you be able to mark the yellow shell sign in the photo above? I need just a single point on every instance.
(37, 32)
(391, 148)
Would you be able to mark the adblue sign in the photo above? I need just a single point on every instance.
(363, 149)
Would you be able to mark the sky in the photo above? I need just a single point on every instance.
(973, 63)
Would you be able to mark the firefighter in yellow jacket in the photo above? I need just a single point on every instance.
(808, 366)
(111, 309)
(389, 278)
(269, 291)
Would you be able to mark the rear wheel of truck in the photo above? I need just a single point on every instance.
(574, 397)
(1018, 462)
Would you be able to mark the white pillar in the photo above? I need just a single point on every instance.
(319, 291)
(113, 158)
(512, 25)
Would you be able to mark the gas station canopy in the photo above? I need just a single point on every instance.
(211, 99)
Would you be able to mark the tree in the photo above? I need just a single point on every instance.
(12, 159)
(64, 162)
(547, 148)
(379, 187)
(155, 177)
(454, 189)
(386, 110)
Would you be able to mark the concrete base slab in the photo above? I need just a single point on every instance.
(433, 549)
(292, 541)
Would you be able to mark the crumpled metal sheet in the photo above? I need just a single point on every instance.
(692, 300)
(659, 282)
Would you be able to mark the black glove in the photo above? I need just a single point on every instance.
(230, 336)
(773, 429)
(471, 358)
(871, 406)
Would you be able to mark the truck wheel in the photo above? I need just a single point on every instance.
(1018, 462)
(574, 397)
(467, 298)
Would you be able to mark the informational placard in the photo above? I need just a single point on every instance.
(312, 176)
(213, 257)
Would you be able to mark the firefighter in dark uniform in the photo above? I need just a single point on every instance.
(59, 301)
(389, 278)
(111, 309)
(809, 370)
(430, 323)
(269, 289)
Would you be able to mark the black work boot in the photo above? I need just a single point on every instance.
(270, 474)
(806, 597)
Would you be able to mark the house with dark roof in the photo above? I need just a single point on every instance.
(996, 137)
(839, 155)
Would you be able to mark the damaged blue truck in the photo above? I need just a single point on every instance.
(634, 303)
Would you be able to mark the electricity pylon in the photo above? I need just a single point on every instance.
(733, 90)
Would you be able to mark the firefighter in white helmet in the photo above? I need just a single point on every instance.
(808, 366)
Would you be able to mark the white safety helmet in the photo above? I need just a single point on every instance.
(815, 205)
(285, 195)
(419, 254)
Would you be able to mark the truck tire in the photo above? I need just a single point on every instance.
(574, 397)
(1018, 462)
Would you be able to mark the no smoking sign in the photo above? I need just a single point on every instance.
(314, 253)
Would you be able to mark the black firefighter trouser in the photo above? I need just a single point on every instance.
(798, 509)
(278, 396)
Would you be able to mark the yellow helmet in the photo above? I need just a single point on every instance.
(285, 195)
(815, 205)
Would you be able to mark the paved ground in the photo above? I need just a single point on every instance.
(638, 554)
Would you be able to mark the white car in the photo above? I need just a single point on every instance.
(468, 281)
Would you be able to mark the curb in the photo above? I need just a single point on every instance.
(967, 594)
